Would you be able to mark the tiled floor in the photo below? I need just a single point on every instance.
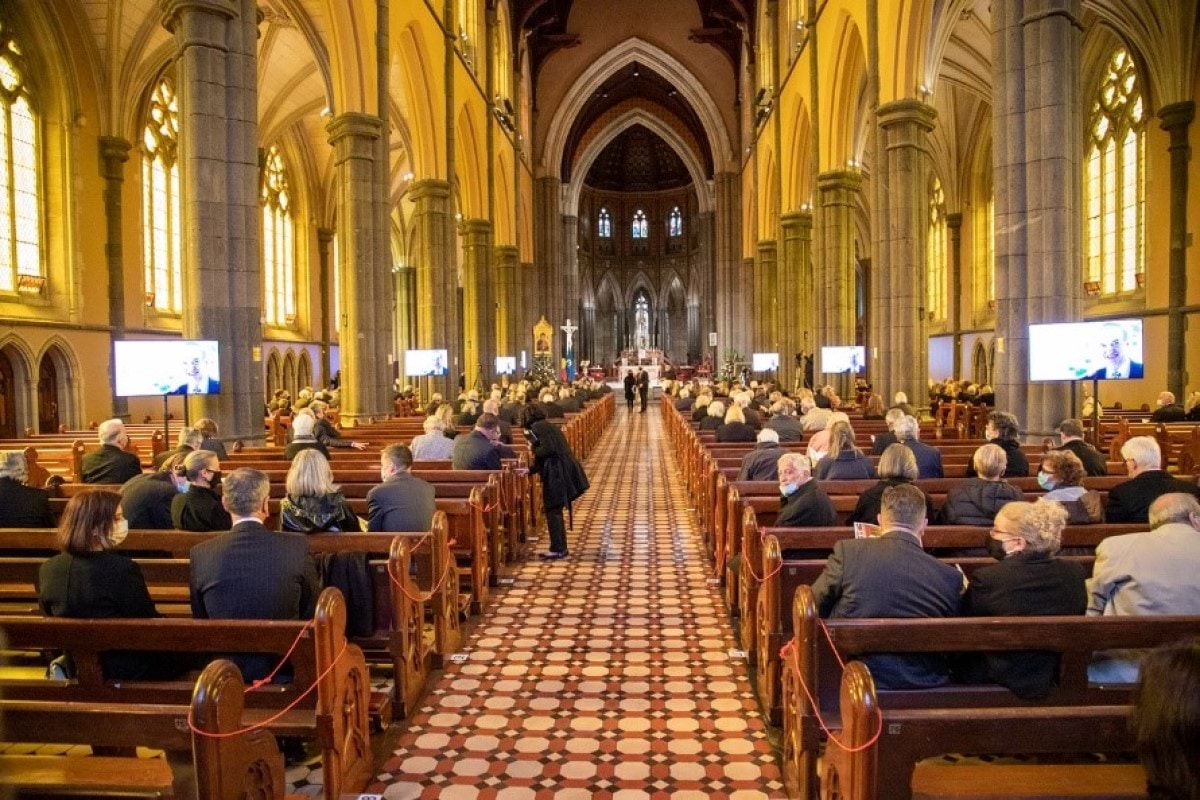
(606, 675)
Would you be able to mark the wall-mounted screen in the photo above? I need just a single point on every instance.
(1082, 351)
(506, 365)
(166, 366)
(424, 363)
(850, 359)
(764, 362)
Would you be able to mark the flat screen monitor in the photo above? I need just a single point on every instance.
(425, 363)
(166, 366)
(506, 365)
(1080, 351)
(764, 362)
(850, 359)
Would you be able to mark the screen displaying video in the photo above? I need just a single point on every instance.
(166, 366)
(765, 362)
(843, 359)
(506, 365)
(425, 363)
(1084, 351)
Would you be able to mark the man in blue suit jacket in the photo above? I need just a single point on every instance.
(892, 576)
(929, 460)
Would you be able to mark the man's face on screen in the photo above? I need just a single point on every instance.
(1112, 344)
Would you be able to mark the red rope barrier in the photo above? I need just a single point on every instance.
(783, 654)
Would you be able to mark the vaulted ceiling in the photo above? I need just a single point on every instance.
(638, 160)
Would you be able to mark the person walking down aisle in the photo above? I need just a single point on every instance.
(630, 384)
(644, 387)
(563, 478)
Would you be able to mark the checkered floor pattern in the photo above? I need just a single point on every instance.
(606, 675)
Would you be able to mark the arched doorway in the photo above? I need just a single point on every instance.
(47, 396)
(8, 399)
(289, 374)
(304, 371)
(272, 375)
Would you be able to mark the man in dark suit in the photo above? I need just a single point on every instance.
(189, 440)
(929, 460)
(1130, 501)
(805, 504)
(304, 438)
(146, 499)
(1168, 410)
(762, 463)
(479, 449)
(492, 406)
(252, 572)
(21, 506)
(884, 440)
(403, 502)
(630, 385)
(1070, 433)
(549, 405)
(199, 508)
(111, 464)
(892, 576)
(643, 388)
(1114, 340)
(784, 422)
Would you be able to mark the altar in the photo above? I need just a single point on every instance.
(653, 370)
(650, 360)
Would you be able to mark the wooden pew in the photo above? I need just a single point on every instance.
(327, 700)
(1075, 717)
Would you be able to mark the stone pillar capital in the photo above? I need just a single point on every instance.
(325, 235)
(507, 254)
(429, 189)
(839, 187)
(796, 220)
(908, 112)
(114, 152)
(176, 12)
(1175, 116)
(476, 228)
(954, 221)
(354, 135)
(768, 248)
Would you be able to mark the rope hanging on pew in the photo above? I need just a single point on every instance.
(264, 681)
(436, 586)
(784, 654)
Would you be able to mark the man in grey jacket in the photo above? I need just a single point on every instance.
(403, 502)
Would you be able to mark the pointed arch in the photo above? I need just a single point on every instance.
(274, 368)
(845, 96)
(69, 388)
(417, 86)
(471, 160)
(24, 383)
(798, 183)
(304, 373)
(289, 373)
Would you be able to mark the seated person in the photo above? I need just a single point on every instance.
(896, 466)
(304, 437)
(1070, 436)
(1146, 573)
(735, 428)
(467, 417)
(325, 432)
(433, 445)
(252, 572)
(210, 442)
(700, 407)
(88, 580)
(882, 441)
(907, 431)
(1168, 410)
(900, 401)
(21, 506)
(1061, 475)
(111, 464)
(146, 500)
(1003, 431)
(745, 401)
(762, 463)
(1166, 716)
(685, 401)
(481, 448)
(804, 504)
(435, 402)
(783, 421)
(553, 410)
(199, 508)
(189, 441)
(822, 422)
(492, 406)
(715, 418)
(1029, 581)
(1130, 501)
(844, 461)
(313, 503)
(892, 576)
(975, 501)
(873, 409)
(1192, 412)
(402, 502)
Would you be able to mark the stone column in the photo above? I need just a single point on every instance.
(954, 290)
(834, 274)
(379, 382)
(733, 292)
(437, 278)
(509, 307)
(479, 303)
(1176, 119)
(570, 279)
(706, 259)
(114, 152)
(405, 283)
(532, 291)
(355, 138)
(329, 314)
(767, 289)
(795, 292)
(219, 174)
(904, 352)
(548, 254)
(1037, 133)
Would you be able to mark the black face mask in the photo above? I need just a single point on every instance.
(996, 549)
(215, 480)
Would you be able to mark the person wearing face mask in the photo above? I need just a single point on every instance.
(1030, 580)
(804, 504)
(1003, 431)
(199, 508)
(146, 500)
(111, 464)
(1061, 475)
(402, 502)
(89, 580)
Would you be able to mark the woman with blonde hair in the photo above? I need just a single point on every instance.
(975, 501)
(313, 503)
(874, 407)
(843, 461)
(1030, 580)
(897, 466)
(715, 418)
(735, 428)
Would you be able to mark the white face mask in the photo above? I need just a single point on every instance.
(119, 532)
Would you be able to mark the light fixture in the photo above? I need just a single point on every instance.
(1091, 288)
(326, 112)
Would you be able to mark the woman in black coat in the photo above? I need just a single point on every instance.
(563, 478)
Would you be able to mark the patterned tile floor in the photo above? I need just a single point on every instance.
(605, 675)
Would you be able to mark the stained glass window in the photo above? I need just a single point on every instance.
(1114, 179)
(20, 175)
(935, 254)
(675, 222)
(641, 225)
(279, 243)
(604, 224)
(161, 232)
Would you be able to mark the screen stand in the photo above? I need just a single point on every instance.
(1096, 437)
(166, 422)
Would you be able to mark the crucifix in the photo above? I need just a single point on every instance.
(569, 330)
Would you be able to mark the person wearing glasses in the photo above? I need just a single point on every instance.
(1130, 501)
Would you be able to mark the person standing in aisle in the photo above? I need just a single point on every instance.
(630, 383)
(563, 478)
(644, 387)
